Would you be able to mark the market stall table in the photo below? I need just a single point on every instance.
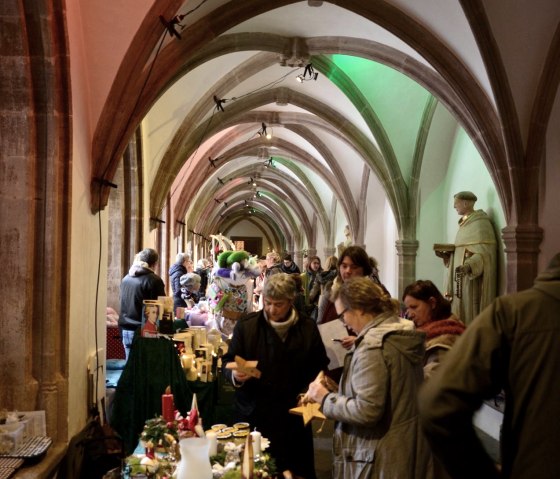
(152, 366)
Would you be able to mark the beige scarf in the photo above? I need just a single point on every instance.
(283, 327)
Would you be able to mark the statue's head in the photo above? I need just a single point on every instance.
(464, 202)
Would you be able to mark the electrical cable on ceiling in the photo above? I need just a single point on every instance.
(219, 102)
(104, 182)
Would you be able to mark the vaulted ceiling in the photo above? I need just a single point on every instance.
(376, 74)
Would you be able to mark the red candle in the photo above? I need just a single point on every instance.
(167, 406)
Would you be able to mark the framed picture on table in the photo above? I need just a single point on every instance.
(152, 312)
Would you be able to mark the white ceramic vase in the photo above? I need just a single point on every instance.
(194, 462)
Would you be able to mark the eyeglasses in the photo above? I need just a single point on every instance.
(340, 317)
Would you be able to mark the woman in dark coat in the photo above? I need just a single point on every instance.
(290, 354)
(431, 314)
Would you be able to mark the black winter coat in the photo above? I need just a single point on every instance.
(287, 369)
(139, 284)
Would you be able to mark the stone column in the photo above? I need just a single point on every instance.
(329, 251)
(298, 259)
(522, 253)
(36, 161)
(406, 251)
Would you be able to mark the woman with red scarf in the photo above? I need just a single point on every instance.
(431, 313)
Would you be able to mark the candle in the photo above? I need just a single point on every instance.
(192, 374)
(213, 440)
(167, 406)
(256, 436)
(187, 361)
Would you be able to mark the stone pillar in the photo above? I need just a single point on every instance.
(329, 251)
(36, 161)
(522, 253)
(115, 269)
(298, 259)
(406, 251)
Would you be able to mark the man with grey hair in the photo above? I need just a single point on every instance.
(139, 284)
(289, 351)
(183, 265)
(190, 288)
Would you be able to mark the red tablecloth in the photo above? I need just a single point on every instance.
(115, 348)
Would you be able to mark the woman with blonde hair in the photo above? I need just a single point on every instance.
(377, 432)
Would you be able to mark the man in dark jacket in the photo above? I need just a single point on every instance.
(514, 344)
(288, 266)
(290, 353)
(139, 284)
(182, 266)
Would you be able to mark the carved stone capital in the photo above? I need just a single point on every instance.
(522, 247)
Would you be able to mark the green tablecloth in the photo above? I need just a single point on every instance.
(152, 366)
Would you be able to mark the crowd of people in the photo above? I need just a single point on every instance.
(413, 374)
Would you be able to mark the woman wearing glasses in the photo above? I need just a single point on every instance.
(376, 431)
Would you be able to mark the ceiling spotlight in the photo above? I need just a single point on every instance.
(217, 200)
(308, 74)
(220, 181)
(269, 163)
(212, 162)
(264, 131)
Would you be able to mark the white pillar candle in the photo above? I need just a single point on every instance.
(256, 436)
(213, 440)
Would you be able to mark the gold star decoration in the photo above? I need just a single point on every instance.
(247, 367)
(309, 411)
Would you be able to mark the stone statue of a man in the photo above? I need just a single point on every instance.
(347, 242)
(471, 261)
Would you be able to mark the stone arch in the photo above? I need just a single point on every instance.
(388, 17)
